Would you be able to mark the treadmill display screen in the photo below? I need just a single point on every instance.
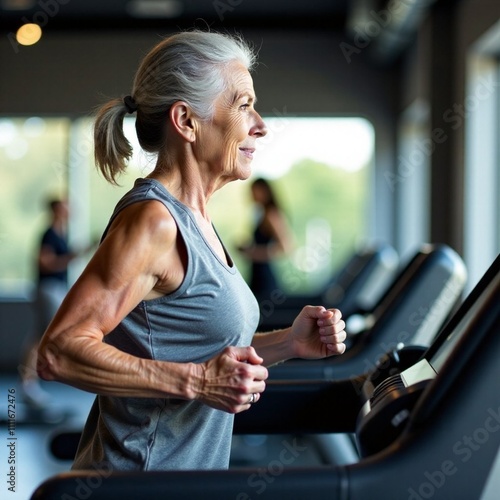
(439, 357)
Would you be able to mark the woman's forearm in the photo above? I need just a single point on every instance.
(223, 382)
(274, 347)
(91, 365)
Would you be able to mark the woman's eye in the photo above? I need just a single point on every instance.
(244, 106)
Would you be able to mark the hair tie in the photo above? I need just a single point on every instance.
(130, 104)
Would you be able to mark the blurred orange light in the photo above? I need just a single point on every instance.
(28, 34)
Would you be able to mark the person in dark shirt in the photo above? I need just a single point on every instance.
(53, 258)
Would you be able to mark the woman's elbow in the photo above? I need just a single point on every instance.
(47, 365)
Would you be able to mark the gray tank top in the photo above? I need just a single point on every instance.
(212, 309)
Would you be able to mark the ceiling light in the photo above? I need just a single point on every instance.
(17, 4)
(155, 8)
(28, 34)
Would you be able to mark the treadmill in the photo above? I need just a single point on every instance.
(411, 311)
(355, 288)
(432, 431)
(423, 295)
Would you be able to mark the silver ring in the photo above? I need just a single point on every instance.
(252, 398)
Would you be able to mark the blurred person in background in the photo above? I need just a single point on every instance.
(53, 258)
(271, 239)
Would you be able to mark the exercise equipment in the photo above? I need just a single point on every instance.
(355, 288)
(425, 292)
(446, 446)
(422, 295)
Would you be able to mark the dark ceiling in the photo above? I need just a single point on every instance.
(396, 20)
(130, 14)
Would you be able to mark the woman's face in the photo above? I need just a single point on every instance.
(226, 144)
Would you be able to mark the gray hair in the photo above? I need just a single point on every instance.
(187, 66)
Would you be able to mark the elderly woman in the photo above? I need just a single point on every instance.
(161, 325)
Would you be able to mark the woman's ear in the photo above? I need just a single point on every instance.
(183, 120)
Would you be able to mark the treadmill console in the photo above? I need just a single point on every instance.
(390, 401)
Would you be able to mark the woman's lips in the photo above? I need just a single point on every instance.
(248, 152)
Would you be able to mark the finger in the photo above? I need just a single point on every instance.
(334, 317)
(335, 338)
(336, 327)
(249, 371)
(317, 312)
(336, 348)
(256, 397)
(328, 329)
(253, 358)
(259, 372)
(331, 317)
(337, 314)
(257, 388)
(331, 329)
(254, 394)
(245, 354)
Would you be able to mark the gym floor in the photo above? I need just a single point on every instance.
(30, 438)
(25, 446)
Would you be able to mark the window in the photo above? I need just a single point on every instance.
(320, 168)
(481, 109)
(411, 182)
(33, 168)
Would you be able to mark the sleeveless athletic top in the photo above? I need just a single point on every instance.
(212, 309)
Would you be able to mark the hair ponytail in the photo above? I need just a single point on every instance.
(112, 150)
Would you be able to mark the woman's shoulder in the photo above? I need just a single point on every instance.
(147, 218)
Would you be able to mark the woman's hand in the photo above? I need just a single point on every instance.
(228, 381)
(317, 333)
